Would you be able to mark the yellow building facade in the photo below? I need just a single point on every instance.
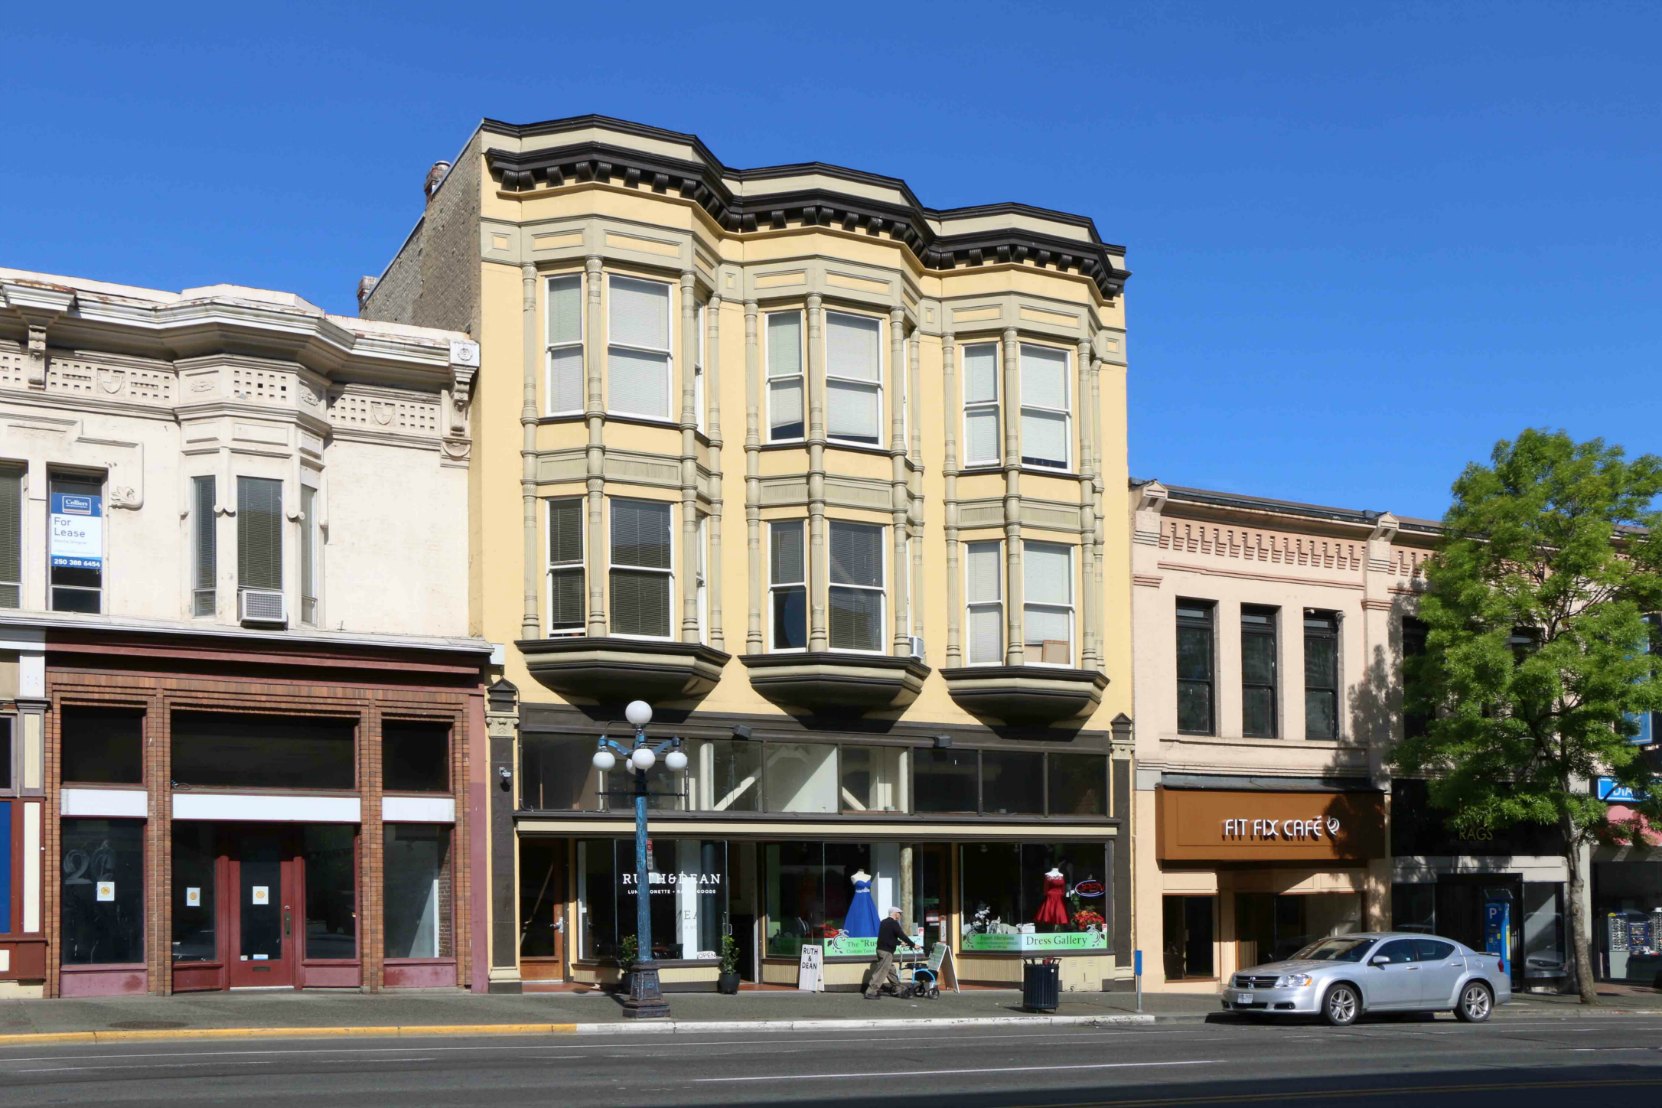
(837, 483)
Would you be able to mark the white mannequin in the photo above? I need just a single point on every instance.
(860, 875)
(1053, 872)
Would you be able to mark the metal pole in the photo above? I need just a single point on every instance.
(646, 998)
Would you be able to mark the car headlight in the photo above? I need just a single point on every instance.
(1293, 981)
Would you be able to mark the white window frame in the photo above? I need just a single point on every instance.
(982, 406)
(580, 563)
(311, 546)
(1070, 608)
(872, 385)
(800, 376)
(102, 480)
(673, 623)
(972, 605)
(568, 345)
(775, 586)
(701, 579)
(1066, 411)
(700, 356)
(881, 588)
(670, 415)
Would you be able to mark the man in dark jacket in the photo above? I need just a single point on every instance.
(889, 935)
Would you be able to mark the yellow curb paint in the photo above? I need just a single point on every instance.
(115, 1036)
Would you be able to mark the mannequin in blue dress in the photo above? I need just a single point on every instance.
(861, 921)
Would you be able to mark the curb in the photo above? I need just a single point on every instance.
(666, 1027)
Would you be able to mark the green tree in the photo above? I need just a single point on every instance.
(1535, 665)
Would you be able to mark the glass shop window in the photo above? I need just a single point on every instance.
(801, 777)
(102, 892)
(220, 750)
(810, 893)
(331, 891)
(195, 892)
(1078, 784)
(557, 774)
(1012, 783)
(724, 775)
(688, 897)
(873, 778)
(416, 914)
(1009, 897)
(944, 780)
(415, 756)
(102, 746)
(1188, 936)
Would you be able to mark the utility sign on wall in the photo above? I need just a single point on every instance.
(76, 530)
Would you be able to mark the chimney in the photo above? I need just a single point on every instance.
(366, 285)
(435, 178)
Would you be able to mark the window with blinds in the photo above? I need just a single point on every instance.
(1047, 603)
(853, 378)
(856, 594)
(638, 348)
(787, 388)
(259, 533)
(311, 555)
(565, 567)
(641, 571)
(204, 595)
(565, 345)
(11, 536)
(981, 404)
(984, 586)
(788, 584)
(1045, 413)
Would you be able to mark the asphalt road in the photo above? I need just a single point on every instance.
(1513, 1062)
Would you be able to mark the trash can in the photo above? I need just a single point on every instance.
(1041, 986)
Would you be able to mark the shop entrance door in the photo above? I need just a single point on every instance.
(261, 914)
(542, 904)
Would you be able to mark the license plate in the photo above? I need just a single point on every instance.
(1243, 998)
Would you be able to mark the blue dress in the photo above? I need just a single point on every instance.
(861, 921)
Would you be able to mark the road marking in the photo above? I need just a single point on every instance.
(1399, 1090)
(947, 1073)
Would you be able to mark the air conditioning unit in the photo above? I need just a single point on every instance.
(914, 643)
(262, 606)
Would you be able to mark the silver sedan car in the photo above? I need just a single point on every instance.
(1343, 976)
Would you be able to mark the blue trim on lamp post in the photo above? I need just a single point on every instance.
(646, 997)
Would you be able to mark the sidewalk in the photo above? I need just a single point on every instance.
(291, 1014)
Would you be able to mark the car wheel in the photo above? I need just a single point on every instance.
(1476, 1002)
(1341, 1006)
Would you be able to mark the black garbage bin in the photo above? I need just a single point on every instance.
(1041, 986)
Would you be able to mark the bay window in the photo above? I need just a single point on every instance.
(565, 567)
(259, 534)
(1045, 414)
(788, 588)
(638, 348)
(984, 585)
(641, 575)
(853, 378)
(981, 404)
(856, 598)
(205, 545)
(311, 554)
(1047, 608)
(787, 387)
(11, 536)
(565, 345)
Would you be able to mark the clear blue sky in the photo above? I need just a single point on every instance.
(1367, 239)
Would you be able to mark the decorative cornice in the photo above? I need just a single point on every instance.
(739, 200)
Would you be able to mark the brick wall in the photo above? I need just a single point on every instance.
(434, 281)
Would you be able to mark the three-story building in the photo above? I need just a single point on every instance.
(836, 482)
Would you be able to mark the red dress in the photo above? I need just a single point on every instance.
(1053, 911)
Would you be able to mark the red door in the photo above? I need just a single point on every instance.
(262, 917)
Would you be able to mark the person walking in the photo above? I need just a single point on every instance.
(889, 935)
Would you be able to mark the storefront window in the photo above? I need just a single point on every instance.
(217, 750)
(1414, 908)
(1012, 782)
(195, 892)
(103, 891)
(801, 777)
(688, 900)
(724, 775)
(417, 911)
(415, 756)
(944, 780)
(873, 778)
(1188, 938)
(103, 746)
(1013, 903)
(331, 892)
(1271, 927)
(557, 774)
(1078, 784)
(810, 891)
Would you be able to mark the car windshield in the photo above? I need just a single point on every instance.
(1335, 950)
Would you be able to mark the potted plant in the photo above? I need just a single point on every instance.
(728, 982)
(627, 949)
(1089, 920)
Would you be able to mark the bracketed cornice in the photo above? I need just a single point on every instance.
(596, 148)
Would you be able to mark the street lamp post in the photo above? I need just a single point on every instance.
(646, 997)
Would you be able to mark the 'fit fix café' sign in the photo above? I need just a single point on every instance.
(1242, 825)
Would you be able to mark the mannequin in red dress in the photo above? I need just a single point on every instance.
(1052, 911)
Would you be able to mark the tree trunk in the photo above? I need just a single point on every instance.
(1581, 955)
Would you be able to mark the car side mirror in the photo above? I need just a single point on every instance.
(1379, 960)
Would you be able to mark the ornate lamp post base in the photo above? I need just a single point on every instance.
(646, 998)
